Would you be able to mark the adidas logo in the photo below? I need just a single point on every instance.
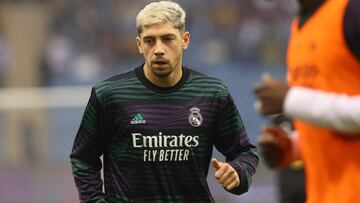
(138, 119)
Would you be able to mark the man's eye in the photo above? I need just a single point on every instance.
(149, 41)
(167, 39)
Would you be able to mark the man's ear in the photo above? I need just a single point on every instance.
(139, 44)
(185, 40)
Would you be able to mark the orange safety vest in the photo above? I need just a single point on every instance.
(318, 57)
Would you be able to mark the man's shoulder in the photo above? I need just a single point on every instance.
(121, 80)
(206, 80)
(121, 77)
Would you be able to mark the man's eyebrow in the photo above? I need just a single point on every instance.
(148, 37)
(168, 35)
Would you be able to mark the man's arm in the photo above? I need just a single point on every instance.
(278, 148)
(86, 152)
(336, 111)
(231, 140)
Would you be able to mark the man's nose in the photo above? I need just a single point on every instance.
(159, 48)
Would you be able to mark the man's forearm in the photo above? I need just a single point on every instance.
(336, 111)
(245, 165)
(88, 181)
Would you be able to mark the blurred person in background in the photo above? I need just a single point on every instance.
(290, 179)
(323, 97)
(157, 124)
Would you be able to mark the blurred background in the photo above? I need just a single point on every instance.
(53, 51)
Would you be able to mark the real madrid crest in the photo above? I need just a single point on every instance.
(195, 118)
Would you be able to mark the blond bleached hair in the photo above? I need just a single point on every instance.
(161, 12)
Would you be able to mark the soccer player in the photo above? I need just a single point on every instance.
(323, 71)
(157, 124)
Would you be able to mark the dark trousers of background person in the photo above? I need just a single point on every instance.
(291, 185)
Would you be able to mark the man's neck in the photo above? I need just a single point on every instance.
(307, 6)
(307, 9)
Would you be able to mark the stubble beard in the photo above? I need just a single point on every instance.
(161, 73)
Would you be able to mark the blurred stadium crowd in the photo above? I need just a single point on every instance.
(88, 38)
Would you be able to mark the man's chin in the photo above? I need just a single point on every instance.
(161, 70)
(161, 73)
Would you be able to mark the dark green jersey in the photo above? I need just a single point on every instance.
(157, 142)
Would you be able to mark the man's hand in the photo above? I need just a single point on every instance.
(225, 174)
(276, 147)
(270, 95)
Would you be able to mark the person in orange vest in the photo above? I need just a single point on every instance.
(323, 97)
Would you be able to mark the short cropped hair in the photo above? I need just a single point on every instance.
(161, 12)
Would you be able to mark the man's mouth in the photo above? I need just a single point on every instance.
(160, 62)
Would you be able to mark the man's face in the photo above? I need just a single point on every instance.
(162, 46)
